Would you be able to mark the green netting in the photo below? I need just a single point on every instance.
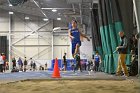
(128, 59)
(115, 62)
(110, 24)
(107, 36)
(118, 27)
(100, 51)
(110, 40)
(113, 37)
(103, 40)
(110, 63)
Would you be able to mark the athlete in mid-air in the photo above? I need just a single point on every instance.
(75, 34)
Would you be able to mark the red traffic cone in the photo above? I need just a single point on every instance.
(56, 73)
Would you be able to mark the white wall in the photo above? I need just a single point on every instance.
(32, 46)
(86, 49)
(61, 45)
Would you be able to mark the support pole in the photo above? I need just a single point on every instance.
(93, 29)
(139, 56)
(136, 4)
(52, 45)
(81, 18)
(10, 30)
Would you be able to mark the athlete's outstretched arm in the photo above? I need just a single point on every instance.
(83, 35)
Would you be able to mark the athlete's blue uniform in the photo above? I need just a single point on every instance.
(96, 62)
(76, 40)
(97, 58)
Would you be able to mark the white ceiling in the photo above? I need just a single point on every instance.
(65, 9)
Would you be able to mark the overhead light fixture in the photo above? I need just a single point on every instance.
(10, 5)
(27, 18)
(11, 13)
(54, 10)
(59, 14)
(45, 19)
(58, 18)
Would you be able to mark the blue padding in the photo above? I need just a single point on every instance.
(60, 63)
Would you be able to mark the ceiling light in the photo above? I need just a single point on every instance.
(11, 13)
(58, 18)
(45, 19)
(10, 5)
(27, 18)
(54, 10)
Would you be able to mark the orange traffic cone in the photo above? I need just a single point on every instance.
(56, 73)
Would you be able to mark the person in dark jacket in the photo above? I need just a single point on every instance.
(122, 49)
(14, 63)
(20, 63)
(65, 62)
(25, 64)
(34, 66)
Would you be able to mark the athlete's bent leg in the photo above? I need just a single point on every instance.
(77, 49)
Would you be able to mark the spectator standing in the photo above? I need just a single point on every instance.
(20, 64)
(4, 62)
(1, 63)
(65, 62)
(97, 61)
(31, 63)
(46, 66)
(72, 65)
(14, 62)
(122, 49)
(34, 66)
(25, 64)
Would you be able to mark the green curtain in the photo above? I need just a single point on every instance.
(110, 24)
